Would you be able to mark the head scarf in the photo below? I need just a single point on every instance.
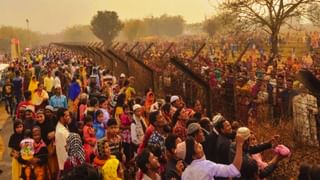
(149, 100)
(41, 144)
(75, 149)
(100, 148)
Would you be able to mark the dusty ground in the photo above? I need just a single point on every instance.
(5, 133)
(289, 167)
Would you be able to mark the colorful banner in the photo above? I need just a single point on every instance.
(15, 48)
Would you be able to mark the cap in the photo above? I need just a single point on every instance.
(57, 86)
(173, 99)
(30, 108)
(40, 111)
(181, 150)
(217, 118)
(193, 127)
(48, 107)
(122, 75)
(22, 108)
(136, 106)
(244, 132)
(108, 77)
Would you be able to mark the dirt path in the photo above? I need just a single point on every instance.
(5, 133)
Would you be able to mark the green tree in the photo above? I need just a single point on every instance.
(211, 26)
(224, 22)
(78, 33)
(268, 15)
(171, 25)
(106, 26)
(132, 29)
(26, 37)
(164, 25)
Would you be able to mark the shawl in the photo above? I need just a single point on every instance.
(75, 149)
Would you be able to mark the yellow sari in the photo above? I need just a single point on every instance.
(16, 169)
(33, 85)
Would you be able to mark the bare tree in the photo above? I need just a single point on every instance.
(268, 15)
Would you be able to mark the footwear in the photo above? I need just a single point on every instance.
(282, 150)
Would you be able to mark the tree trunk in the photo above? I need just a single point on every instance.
(274, 45)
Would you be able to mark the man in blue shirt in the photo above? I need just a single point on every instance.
(58, 100)
(17, 87)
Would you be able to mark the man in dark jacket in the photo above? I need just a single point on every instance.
(174, 166)
(210, 142)
(223, 142)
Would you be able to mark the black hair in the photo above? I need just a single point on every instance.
(88, 119)
(16, 123)
(27, 133)
(121, 99)
(74, 79)
(112, 122)
(84, 172)
(36, 127)
(309, 172)
(166, 107)
(93, 101)
(138, 100)
(126, 83)
(167, 99)
(60, 113)
(249, 169)
(102, 100)
(205, 124)
(315, 172)
(195, 102)
(219, 125)
(98, 112)
(56, 73)
(153, 117)
(125, 106)
(304, 172)
(189, 150)
(170, 142)
(176, 116)
(197, 116)
(27, 94)
(40, 83)
(190, 121)
(143, 159)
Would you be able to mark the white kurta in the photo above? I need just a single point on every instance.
(61, 136)
(304, 110)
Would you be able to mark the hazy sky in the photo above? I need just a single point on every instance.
(52, 16)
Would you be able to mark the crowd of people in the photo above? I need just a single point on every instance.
(73, 119)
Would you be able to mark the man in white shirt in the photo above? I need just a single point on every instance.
(138, 126)
(61, 135)
(56, 81)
